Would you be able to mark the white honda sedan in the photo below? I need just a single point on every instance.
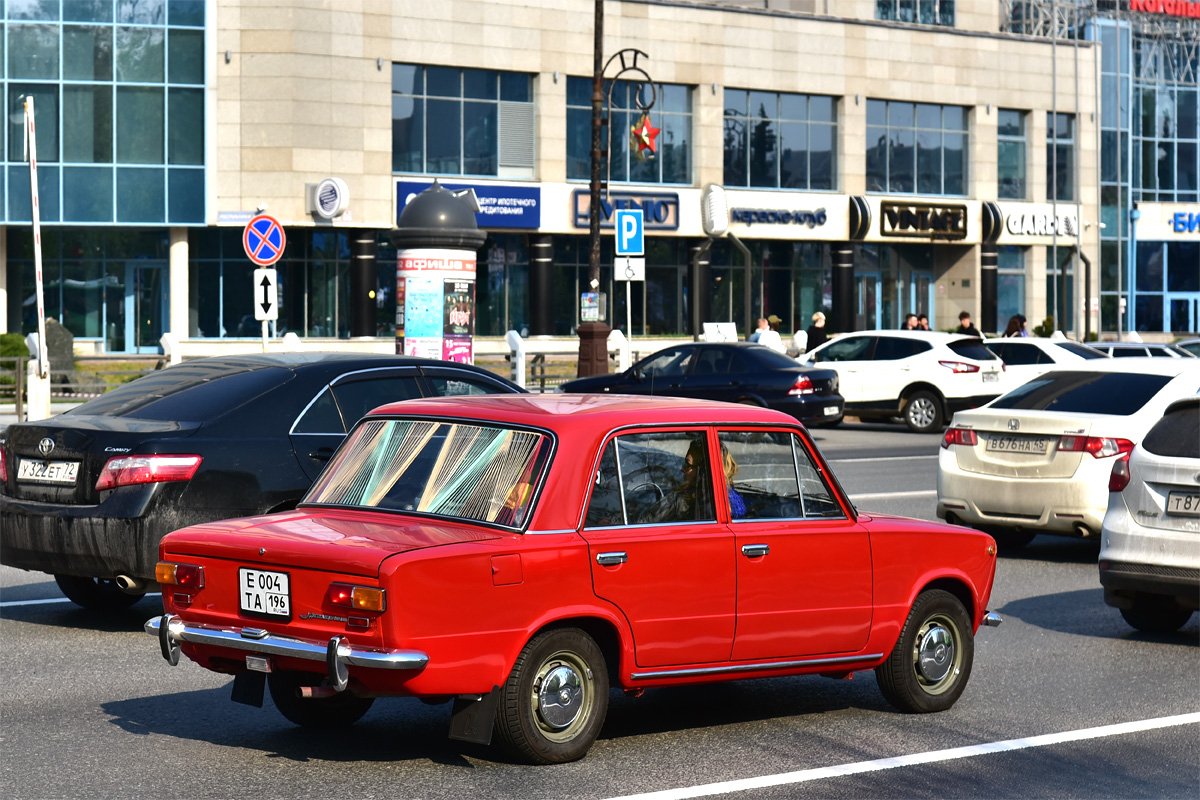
(1037, 460)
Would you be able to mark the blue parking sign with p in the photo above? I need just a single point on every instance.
(630, 232)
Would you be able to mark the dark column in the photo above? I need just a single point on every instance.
(541, 286)
(842, 258)
(988, 257)
(699, 280)
(362, 283)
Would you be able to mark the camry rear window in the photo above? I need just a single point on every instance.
(475, 472)
(1085, 393)
(1177, 434)
(184, 393)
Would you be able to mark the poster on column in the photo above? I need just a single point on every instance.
(437, 289)
(458, 321)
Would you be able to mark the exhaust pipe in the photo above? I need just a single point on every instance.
(1083, 531)
(130, 584)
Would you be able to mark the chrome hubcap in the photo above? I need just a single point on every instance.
(935, 654)
(560, 695)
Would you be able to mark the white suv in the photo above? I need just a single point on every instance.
(920, 376)
(1150, 540)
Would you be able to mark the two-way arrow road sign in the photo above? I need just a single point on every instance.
(266, 300)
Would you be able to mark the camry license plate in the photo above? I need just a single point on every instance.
(830, 411)
(1184, 504)
(58, 472)
(1017, 444)
(262, 592)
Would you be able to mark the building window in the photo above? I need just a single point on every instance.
(671, 112)
(780, 141)
(1010, 155)
(1165, 138)
(1060, 157)
(118, 92)
(923, 12)
(451, 121)
(916, 148)
(1010, 283)
(1060, 288)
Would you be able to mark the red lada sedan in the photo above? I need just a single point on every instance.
(521, 556)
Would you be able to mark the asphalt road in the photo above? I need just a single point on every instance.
(1065, 701)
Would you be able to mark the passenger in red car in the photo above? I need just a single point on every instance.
(737, 506)
(692, 495)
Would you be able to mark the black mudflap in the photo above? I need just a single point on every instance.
(472, 717)
(248, 688)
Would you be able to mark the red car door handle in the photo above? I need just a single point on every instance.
(611, 559)
(755, 550)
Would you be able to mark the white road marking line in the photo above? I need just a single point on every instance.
(885, 458)
(893, 495)
(48, 601)
(822, 773)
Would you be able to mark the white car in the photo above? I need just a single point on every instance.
(1026, 358)
(1037, 460)
(920, 376)
(1142, 350)
(1150, 541)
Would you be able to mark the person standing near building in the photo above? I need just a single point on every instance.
(910, 322)
(770, 337)
(922, 322)
(965, 326)
(758, 332)
(816, 331)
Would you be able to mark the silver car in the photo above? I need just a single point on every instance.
(1150, 540)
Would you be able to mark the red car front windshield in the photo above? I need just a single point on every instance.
(451, 469)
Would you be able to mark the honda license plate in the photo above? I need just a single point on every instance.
(62, 473)
(1018, 444)
(262, 592)
(830, 411)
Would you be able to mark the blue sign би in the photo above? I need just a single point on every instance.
(499, 206)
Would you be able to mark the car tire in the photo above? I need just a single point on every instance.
(561, 663)
(1156, 614)
(96, 594)
(335, 711)
(923, 412)
(929, 667)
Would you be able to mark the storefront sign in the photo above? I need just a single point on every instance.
(499, 206)
(660, 211)
(773, 216)
(1185, 222)
(922, 220)
(1172, 8)
(1041, 224)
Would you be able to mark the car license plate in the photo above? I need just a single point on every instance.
(59, 472)
(1185, 504)
(830, 411)
(991, 377)
(1017, 444)
(262, 592)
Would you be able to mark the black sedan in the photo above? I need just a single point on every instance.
(86, 495)
(736, 372)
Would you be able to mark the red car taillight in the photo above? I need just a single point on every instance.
(188, 576)
(1098, 446)
(361, 598)
(959, 366)
(959, 436)
(130, 470)
(802, 386)
(1118, 479)
(3, 467)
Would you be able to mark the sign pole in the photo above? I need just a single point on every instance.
(43, 355)
(629, 308)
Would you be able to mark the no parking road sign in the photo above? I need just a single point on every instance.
(264, 240)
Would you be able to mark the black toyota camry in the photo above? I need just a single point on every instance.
(86, 495)
(736, 372)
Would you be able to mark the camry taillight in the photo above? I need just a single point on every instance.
(1118, 479)
(190, 576)
(130, 470)
(1098, 446)
(955, 436)
(361, 598)
(959, 366)
(3, 468)
(803, 385)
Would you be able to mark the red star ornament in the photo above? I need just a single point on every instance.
(643, 136)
